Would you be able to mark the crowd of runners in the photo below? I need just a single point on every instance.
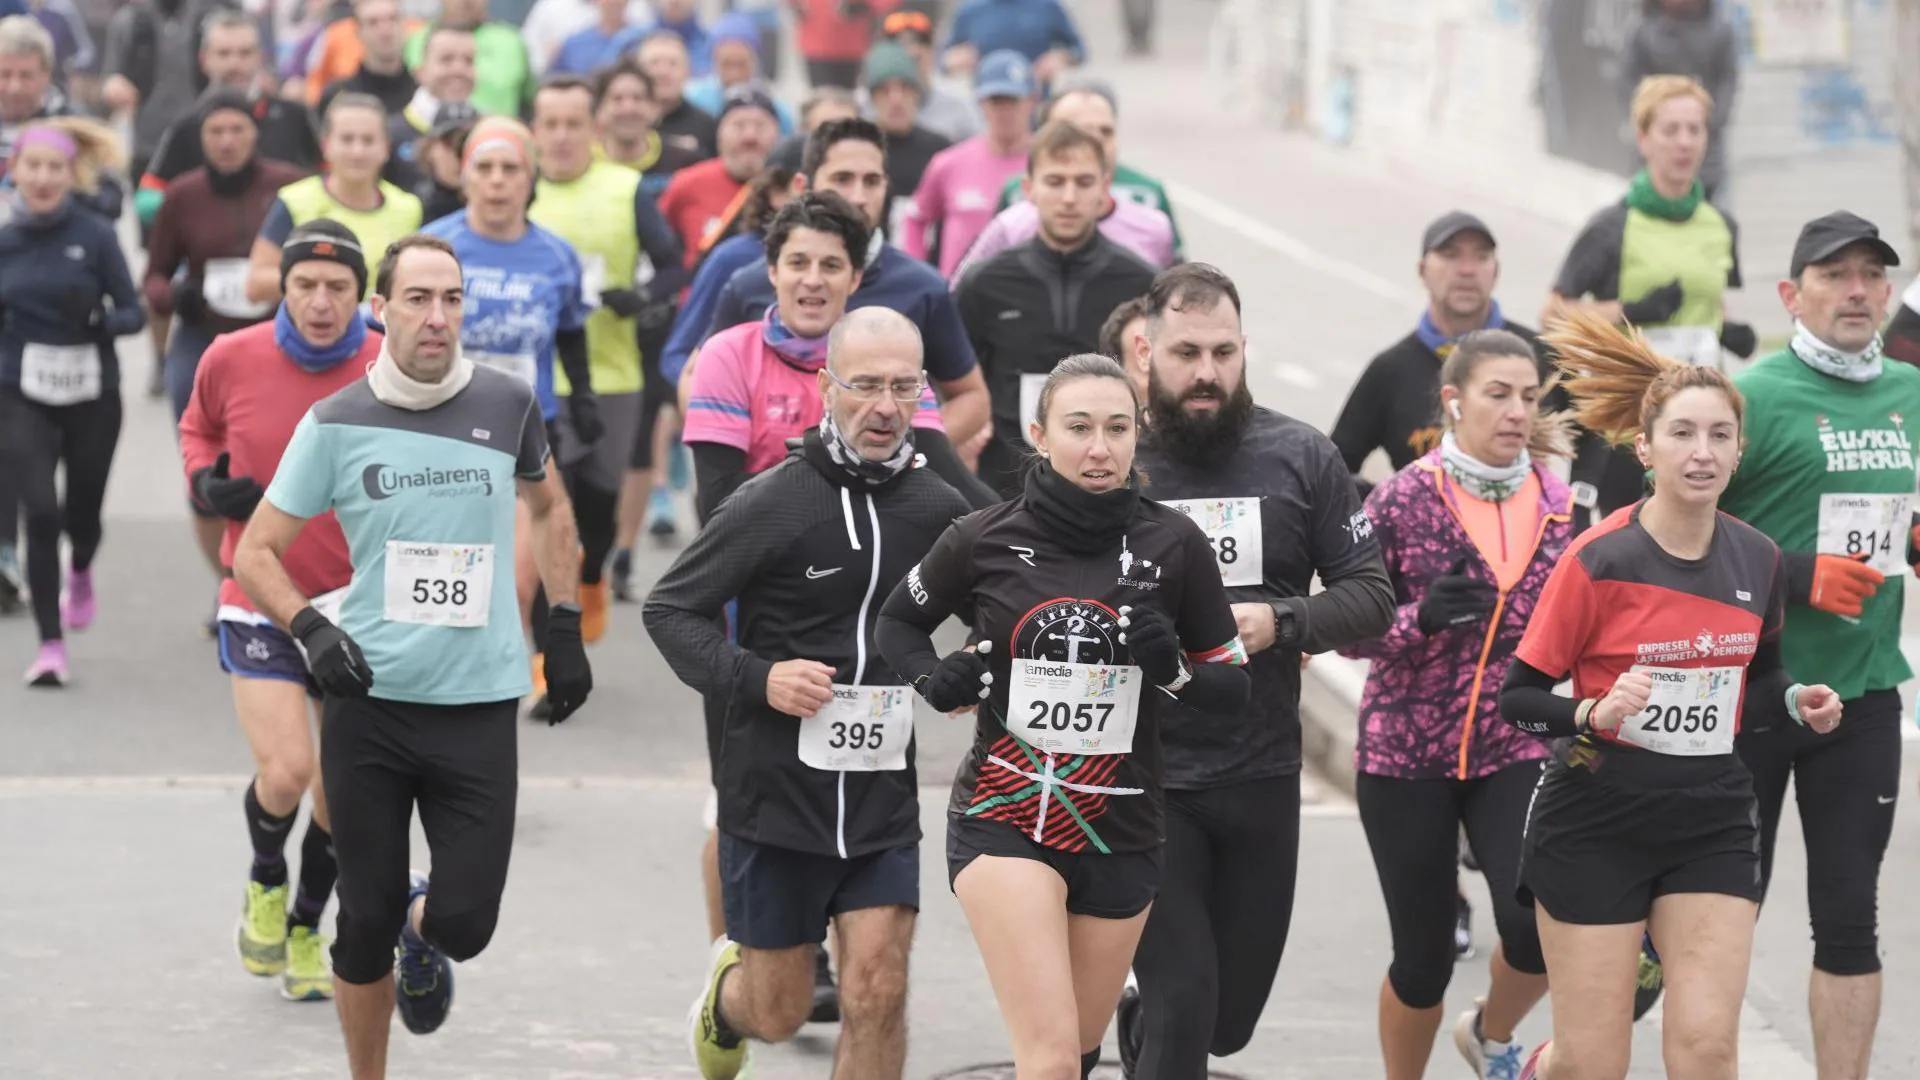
(451, 310)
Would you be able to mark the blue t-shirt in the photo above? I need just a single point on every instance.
(519, 295)
(592, 49)
(716, 270)
(893, 280)
(403, 483)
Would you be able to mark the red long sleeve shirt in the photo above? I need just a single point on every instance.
(197, 224)
(248, 396)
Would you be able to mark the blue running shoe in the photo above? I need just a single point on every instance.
(423, 977)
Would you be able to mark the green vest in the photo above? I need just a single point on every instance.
(502, 78)
(1810, 435)
(1698, 251)
(397, 215)
(594, 213)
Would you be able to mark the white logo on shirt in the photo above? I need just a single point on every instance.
(816, 575)
(1025, 553)
(1128, 560)
(1012, 313)
(76, 252)
(1742, 594)
(482, 433)
(1359, 526)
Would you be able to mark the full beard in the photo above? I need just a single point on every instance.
(1197, 436)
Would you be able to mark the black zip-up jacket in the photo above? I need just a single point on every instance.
(810, 552)
(1025, 310)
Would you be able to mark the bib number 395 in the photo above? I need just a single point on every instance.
(1691, 712)
(1233, 528)
(438, 584)
(863, 729)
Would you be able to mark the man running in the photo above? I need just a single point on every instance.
(423, 461)
(1273, 496)
(1829, 476)
(822, 827)
(252, 388)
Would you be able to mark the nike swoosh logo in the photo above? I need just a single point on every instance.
(816, 575)
(1885, 800)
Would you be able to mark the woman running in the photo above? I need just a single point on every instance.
(68, 294)
(1667, 617)
(1090, 605)
(1470, 532)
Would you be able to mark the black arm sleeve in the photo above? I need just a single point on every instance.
(1353, 607)
(946, 464)
(1798, 567)
(1765, 705)
(1220, 689)
(662, 247)
(718, 469)
(1527, 702)
(570, 346)
(939, 587)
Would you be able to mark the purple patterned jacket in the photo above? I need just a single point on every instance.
(1430, 708)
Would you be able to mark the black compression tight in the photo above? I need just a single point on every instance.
(35, 441)
(1213, 940)
(1413, 827)
(595, 514)
(1847, 784)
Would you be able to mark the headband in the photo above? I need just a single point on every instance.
(494, 132)
(51, 137)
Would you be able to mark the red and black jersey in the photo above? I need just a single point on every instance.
(1617, 599)
(1032, 599)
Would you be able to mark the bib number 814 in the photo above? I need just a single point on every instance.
(439, 591)
(856, 736)
(1673, 719)
(1870, 544)
(1060, 716)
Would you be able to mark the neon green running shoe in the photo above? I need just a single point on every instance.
(262, 936)
(307, 978)
(716, 1059)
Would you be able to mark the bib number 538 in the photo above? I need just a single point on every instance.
(439, 591)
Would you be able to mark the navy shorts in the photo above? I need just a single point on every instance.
(778, 898)
(258, 651)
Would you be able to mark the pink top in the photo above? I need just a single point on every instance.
(1503, 531)
(746, 396)
(956, 198)
(1140, 229)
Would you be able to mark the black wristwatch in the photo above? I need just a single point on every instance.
(573, 608)
(1286, 625)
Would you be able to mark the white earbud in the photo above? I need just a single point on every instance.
(1454, 407)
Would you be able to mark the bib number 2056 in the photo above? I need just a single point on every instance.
(438, 584)
(1691, 712)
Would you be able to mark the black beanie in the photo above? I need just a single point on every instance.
(324, 238)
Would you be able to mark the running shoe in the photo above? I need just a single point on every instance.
(1490, 1060)
(1531, 1070)
(717, 1058)
(1126, 1025)
(262, 936)
(76, 607)
(593, 612)
(13, 587)
(621, 575)
(660, 516)
(1463, 931)
(307, 978)
(423, 979)
(49, 666)
(1651, 980)
(826, 996)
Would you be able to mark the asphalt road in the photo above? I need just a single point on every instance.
(122, 852)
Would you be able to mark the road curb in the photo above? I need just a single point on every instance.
(1329, 708)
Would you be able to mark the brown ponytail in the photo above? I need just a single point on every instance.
(1619, 385)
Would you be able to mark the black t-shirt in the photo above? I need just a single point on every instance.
(907, 159)
(687, 134)
(1395, 406)
(394, 91)
(1035, 600)
(1309, 520)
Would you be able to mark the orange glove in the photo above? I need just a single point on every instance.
(1842, 584)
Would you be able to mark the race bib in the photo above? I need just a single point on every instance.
(863, 729)
(1233, 528)
(60, 374)
(593, 278)
(439, 584)
(1065, 708)
(521, 366)
(1876, 526)
(329, 604)
(1691, 712)
(224, 283)
(1030, 387)
(1696, 345)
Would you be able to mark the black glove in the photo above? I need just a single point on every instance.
(1455, 599)
(189, 303)
(1148, 634)
(625, 303)
(228, 496)
(336, 662)
(584, 411)
(960, 679)
(1657, 306)
(1738, 338)
(569, 678)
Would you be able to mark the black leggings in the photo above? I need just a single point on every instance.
(460, 765)
(595, 515)
(1413, 827)
(1212, 943)
(37, 439)
(1847, 784)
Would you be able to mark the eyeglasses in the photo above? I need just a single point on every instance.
(866, 389)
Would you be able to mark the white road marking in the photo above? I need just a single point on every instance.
(1295, 375)
(1239, 221)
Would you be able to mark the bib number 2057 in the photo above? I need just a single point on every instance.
(1691, 712)
(438, 584)
(1065, 708)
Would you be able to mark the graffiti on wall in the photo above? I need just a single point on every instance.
(1836, 110)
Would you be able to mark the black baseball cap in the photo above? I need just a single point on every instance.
(1450, 225)
(1826, 236)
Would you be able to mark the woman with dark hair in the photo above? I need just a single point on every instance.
(1470, 532)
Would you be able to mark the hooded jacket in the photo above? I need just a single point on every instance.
(1698, 42)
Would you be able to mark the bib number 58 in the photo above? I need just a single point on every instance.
(1226, 549)
(1676, 720)
(439, 591)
